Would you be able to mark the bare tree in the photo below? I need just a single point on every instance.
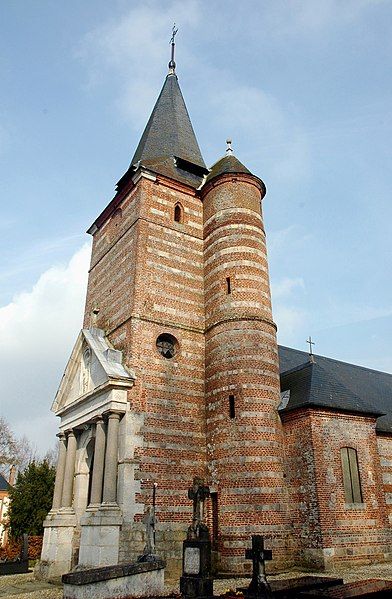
(12, 450)
(51, 456)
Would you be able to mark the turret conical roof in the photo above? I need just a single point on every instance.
(168, 145)
(227, 164)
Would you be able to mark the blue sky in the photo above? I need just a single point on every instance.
(303, 88)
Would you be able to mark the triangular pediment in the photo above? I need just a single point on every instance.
(93, 363)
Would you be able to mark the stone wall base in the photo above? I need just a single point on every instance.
(100, 537)
(121, 581)
(57, 547)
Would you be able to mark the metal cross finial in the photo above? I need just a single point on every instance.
(229, 149)
(172, 64)
(174, 31)
(310, 345)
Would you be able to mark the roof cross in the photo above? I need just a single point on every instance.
(310, 347)
(172, 64)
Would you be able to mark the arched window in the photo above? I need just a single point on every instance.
(178, 213)
(351, 479)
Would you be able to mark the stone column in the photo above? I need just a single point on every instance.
(66, 500)
(99, 462)
(111, 460)
(58, 485)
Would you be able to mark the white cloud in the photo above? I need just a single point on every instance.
(289, 317)
(37, 332)
(301, 17)
(132, 51)
(284, 287)
(290, 320)
(129, 54)
(338, 313)
(31, 257)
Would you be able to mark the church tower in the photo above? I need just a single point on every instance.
(175, 373)
(146, 292)
(244, 433)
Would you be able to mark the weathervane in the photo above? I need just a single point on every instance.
(229, 149)
(172, 64)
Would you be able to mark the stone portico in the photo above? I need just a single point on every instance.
(83, 526)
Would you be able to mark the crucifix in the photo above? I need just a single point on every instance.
(198, 493)
(259, 587)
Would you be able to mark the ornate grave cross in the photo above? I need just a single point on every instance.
(259, 586)
(198, 493)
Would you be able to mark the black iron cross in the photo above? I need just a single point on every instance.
(310, 345)
(259, 555)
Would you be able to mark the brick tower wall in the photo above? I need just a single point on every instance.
(154, 269)
(245, 452)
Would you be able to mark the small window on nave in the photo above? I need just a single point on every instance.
(351, 478)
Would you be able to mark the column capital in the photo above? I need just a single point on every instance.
(113, 415)
(61, 435)
(69, 433)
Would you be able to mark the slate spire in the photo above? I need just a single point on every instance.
(168, 145)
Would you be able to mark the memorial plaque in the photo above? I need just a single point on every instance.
(192, 560)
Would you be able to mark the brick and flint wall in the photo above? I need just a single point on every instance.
(212, 409)
(244, 433)
(326, 528)
(147, 279)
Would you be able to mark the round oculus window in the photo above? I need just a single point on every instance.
(167, 345)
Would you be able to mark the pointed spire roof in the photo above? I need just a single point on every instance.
(168, 145)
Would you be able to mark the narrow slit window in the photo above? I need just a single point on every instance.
(228, 285)
(351, 479)
(215, 520)
(178, 213)
(231, 406)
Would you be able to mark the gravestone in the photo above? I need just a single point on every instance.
(196, 580)
(259, 588)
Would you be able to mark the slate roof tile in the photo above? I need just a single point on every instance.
(168, 135)
(227, 164)
(337, 385)
(4, 486)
